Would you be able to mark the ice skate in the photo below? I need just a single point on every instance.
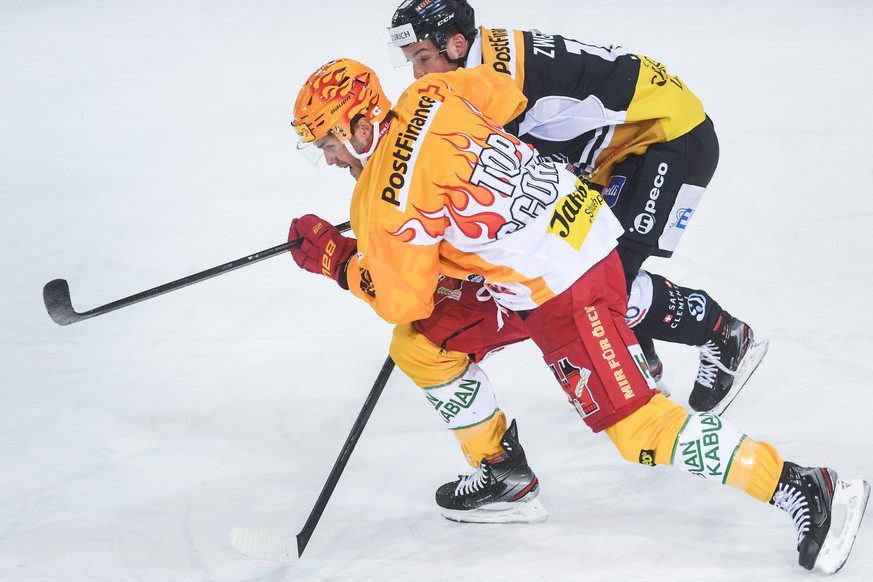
(827, 513)
(727, 361)
(500, 490)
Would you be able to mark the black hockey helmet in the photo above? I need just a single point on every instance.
(438, 20)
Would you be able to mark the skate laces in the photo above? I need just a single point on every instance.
(710, 363)
(474, 481)
(484, 294)
(792, 500)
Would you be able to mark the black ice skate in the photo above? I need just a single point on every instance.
(500, 490)
(727, 361)
(827, 513)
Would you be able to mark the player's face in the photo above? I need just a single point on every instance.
(336, 154)
(426, 58)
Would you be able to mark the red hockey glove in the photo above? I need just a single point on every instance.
(323, 249)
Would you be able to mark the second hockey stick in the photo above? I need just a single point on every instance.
(288, 548)
(56, 293)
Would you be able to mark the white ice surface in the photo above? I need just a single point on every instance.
(144, 141)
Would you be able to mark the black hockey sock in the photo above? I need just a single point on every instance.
(678, 314)
(646, 344)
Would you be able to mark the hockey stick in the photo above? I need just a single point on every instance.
(56, 293)
(287, 548)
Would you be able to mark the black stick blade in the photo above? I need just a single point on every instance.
(56, 295)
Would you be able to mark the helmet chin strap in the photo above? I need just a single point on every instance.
(366, 155)
(461, 60)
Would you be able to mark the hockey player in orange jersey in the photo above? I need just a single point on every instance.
(442, 189)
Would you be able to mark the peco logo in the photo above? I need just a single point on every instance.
(645, 221)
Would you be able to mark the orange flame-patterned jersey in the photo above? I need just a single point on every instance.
(448, 191)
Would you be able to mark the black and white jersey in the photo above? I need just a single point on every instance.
(595, 105)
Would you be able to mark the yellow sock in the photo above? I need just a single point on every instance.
(483, 440)
(755, 469)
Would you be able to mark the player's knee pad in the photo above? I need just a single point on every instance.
(466, 401)
(424, 362)
(706, 446)
(603, 375)
(639, 300)
(649, 434)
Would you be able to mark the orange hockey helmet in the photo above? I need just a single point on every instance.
(333, 96)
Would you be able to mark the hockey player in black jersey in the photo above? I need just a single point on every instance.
(627, 125)
(622, 122)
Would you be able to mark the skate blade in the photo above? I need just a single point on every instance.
(662, 388)
(748, 365)
(850, 498)
(503, 512)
